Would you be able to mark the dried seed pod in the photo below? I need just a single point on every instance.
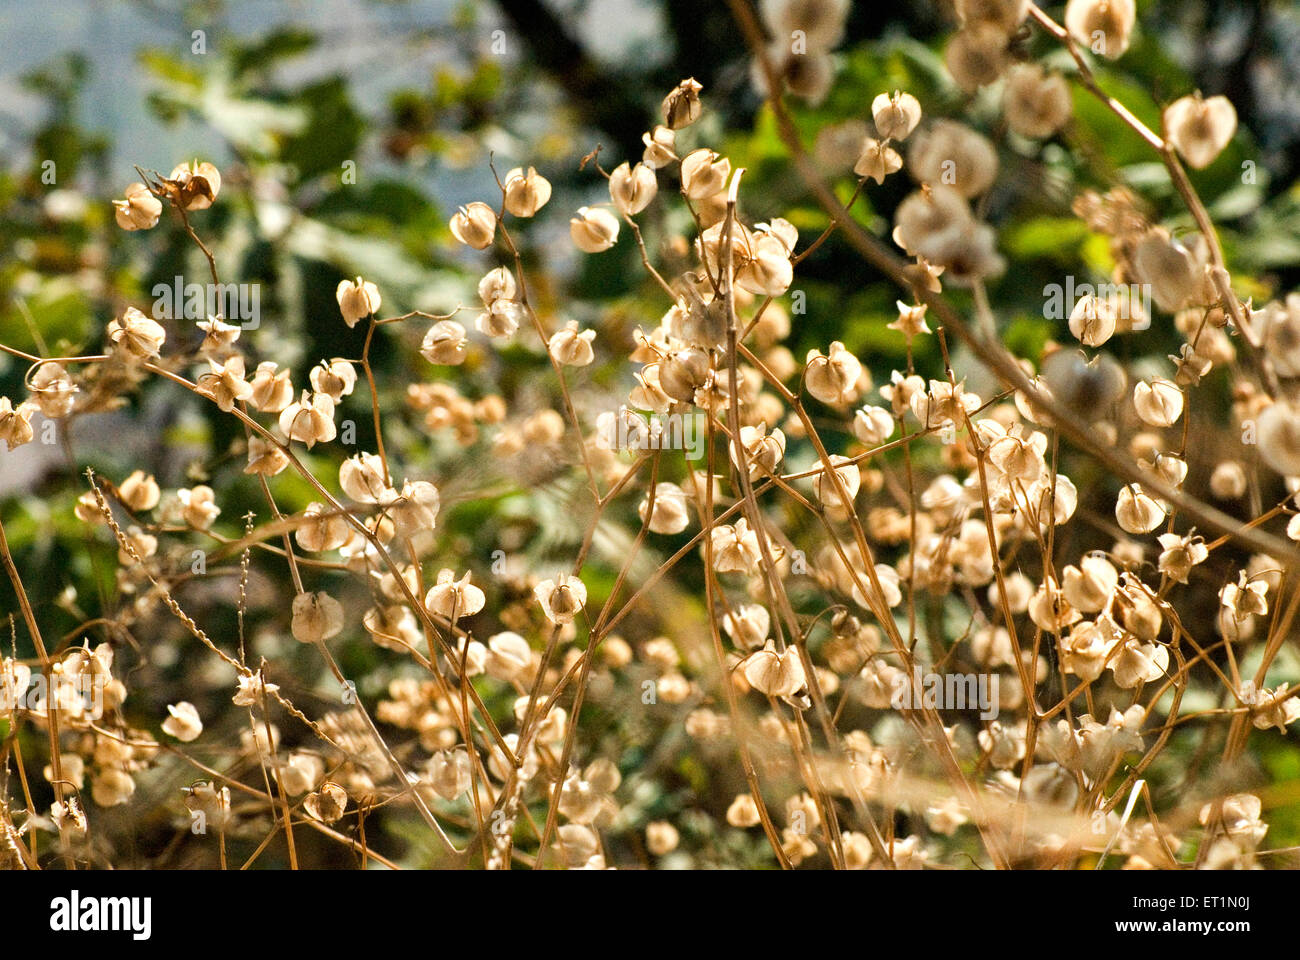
(897, 116)
(444, 343)
(632, 188)
(1159, 402)
(357, 300)
(525, 193)
(594, 229)
(1136, 512)
(1103, 26)
(976, 55)
(1200, 129)
(1036, 103)
(704, 173)
(474, 225)
(137, 335)
(952, 154)
(139, 210)
(316, 616)
(682, 106)
(183, 722)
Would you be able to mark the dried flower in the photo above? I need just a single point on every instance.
(183, 722)
(682, 106)
(1159, 402)
(525, 193)
(336, 377)
(659, 145)
(316, 616)
(139, 211)
(594, 229)
(571, 348)
(310, 420)
(444, 343)
(704, 173)
(137, 335)
(562, 598)
(16, 423)
(832, 377)
(272, 389)
(1103, 26)
(451, 598)
(327, 804)
(1200, 129)
(194, 185)
(357, 299)
(632, 188)
(198, 506)
(1136, 512)
(1036, 103)
(474, 225)
(897, 116)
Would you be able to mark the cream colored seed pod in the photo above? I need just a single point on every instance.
(561, 599)
(139, 211)
(897, 116)
(336, 377)
(327, 804)
(183, 722)
(1102, 26)
(362, 478)
(452, 598)
(682, 106)
(671, 509)
(323, 529)
(661, 837)
(659, 145)
(194, 185)
(976, 55)
(272, 389)
(508, 657)
(310, 420)
(632, 188)
(474, 225)
(316, 616)
(525, 193)
(952, 154)
(570, 347)
(357, 300)
(748, 625)
(139, 492)
(833, 377)
(1136, 512)
(444, 343)
(1035, 103)
(1228, 481)
(1200, 129)
(414, 510)
(1170, 267)
(774, 674)
(137, 335)
(877, 160)
(1158, 402)
(594, 229)
(1277, 437)
(1089, 586)
(704, 173)
(873, 425)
